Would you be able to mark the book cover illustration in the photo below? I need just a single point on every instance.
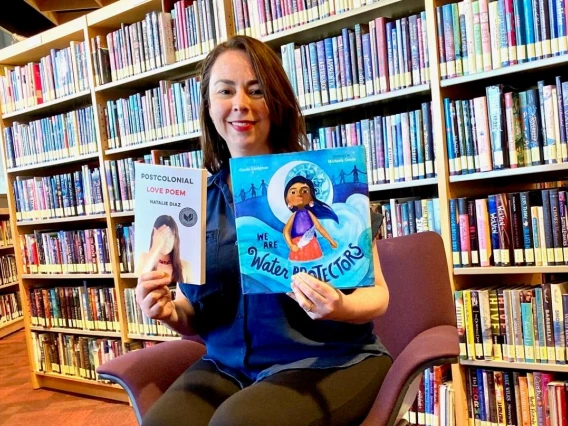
(303, 212)
(170, 221)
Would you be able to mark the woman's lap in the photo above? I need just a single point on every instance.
(203, 395)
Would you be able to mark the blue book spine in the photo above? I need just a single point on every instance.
(528, 331)
(330, 66)
(450, 136)
(541, 331)
(322, 71)
(315, 74)
(347, 63)
(367, 63)
(399, 147)
(405, 226)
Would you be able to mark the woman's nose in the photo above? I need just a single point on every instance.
(240, 101)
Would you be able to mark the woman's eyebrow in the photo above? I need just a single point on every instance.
(232, 83)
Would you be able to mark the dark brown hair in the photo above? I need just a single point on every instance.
(287, 127)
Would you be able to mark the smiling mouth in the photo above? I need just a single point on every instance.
(242, 123)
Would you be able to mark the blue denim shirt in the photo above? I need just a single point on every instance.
(252, 336)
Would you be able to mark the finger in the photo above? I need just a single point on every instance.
(304, 302)
(310, 287)
(152, 275)
(154, 298)
(150, 285)
(158, 309)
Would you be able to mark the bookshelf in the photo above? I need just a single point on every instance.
(433, 89)
(10, 322)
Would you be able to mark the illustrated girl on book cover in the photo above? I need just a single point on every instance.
(164, 252)
(300, 230)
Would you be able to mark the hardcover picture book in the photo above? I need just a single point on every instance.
(303, 212)
(170, 221)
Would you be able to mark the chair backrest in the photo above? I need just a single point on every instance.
(416, 274)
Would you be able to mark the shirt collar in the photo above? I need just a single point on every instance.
(219, 177)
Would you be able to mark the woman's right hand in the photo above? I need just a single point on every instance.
(154, 297)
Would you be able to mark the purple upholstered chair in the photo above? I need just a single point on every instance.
(419, 330)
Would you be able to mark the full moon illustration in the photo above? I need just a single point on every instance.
(275, 195)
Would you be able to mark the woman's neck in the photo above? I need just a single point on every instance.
(165, 259)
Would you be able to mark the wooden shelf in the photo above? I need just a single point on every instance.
(520, 171)
(51, 106)
(153, 338)
(495, 270)
(128, 275)
(174, 70)
(152, 144)
(332, 25)
(9, 285)
(65, 276)
(81, 332)
(40, 45)
(555, 61)
(129, 213)
(11, 327)
(406, 184)
(516, 365)
(34, 222)
(69, 160)
(8, 247)
(81, 386)
(383, 97)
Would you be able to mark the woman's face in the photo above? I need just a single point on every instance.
(299, 195)
(237, 107)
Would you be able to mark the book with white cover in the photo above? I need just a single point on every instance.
(170, 221)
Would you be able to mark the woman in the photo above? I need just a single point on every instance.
(164, 252)
(306, 357)
(299, 231)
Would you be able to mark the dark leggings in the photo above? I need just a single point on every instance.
(334, 396)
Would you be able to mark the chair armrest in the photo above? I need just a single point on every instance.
(147, 373)
(436, 346)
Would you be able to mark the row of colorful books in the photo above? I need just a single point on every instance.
(258, 18)
(51, 138)
(433, 405)
(8, 269)
(63, 195)
(513, 398)
(72, 355)
(158, 40)
(140, 324)
(66, 252)
(405, 216)
(171, 109)
(61, 73)
(514, 324)
(399, 147)
(120, 173)
(81, 307)
(371, 59)
(514, 229)
(507, 129)
(10, 307)
(477, 36)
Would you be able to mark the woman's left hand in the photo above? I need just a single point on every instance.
(319, 299)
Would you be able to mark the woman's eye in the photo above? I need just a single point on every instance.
(256, 92)
(224, 92)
